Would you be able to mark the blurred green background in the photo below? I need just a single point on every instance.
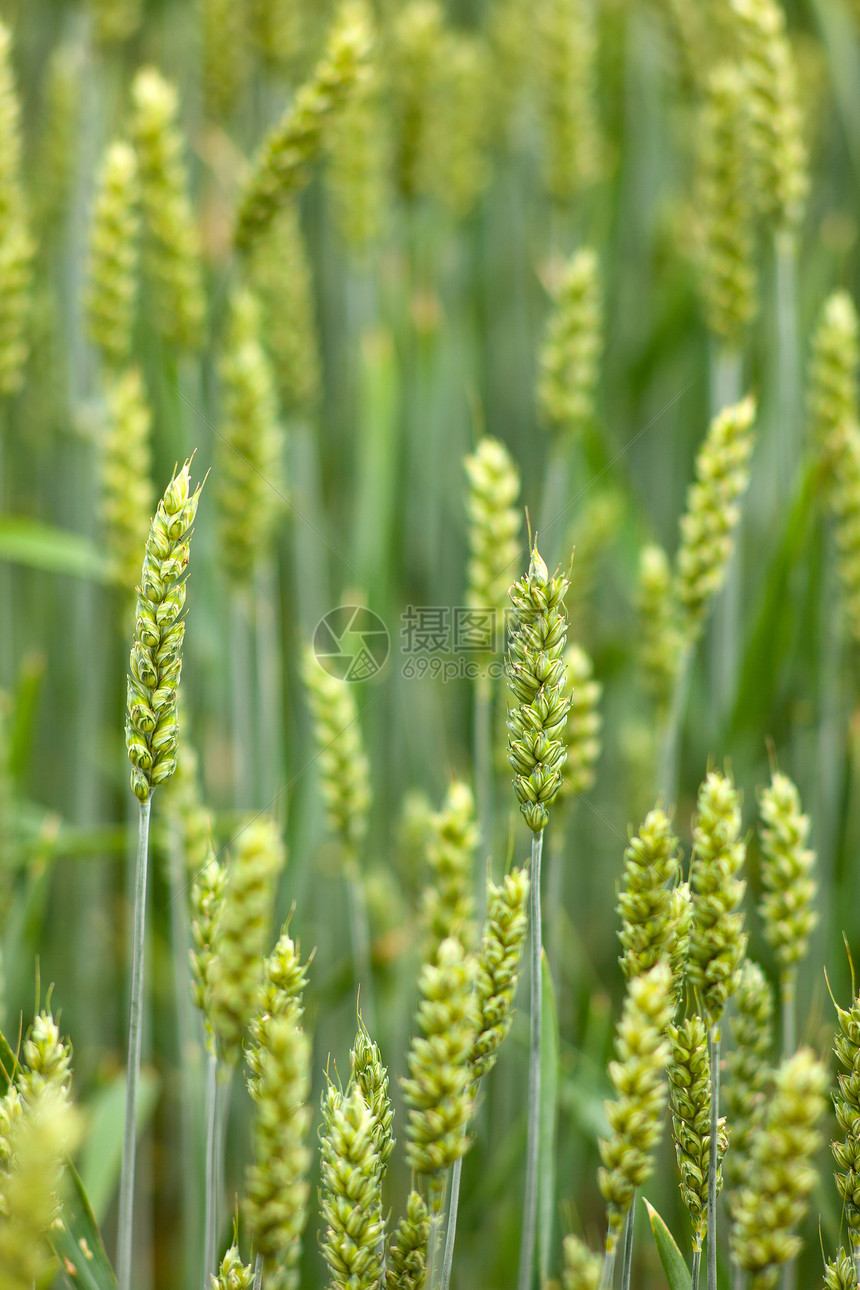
(427, 337)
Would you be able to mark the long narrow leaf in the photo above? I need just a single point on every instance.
(77, 1240)
(53, 550)
(101, 1156)
(677, 1273)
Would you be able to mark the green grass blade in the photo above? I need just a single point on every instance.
(52, 550)
(77, 1240)
(101, 1156)
(548, 1119)
(671, 1257)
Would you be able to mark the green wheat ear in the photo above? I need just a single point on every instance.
(787, 908)
(690, 1102)
(713, 511)
(499, 966)
(152, 729)
(844, 500)
(717, 939)
(846, 1102)
(39, 1126)
(115, 20)
(277, 1182)
(438, 1088)
(536, 674)
(462, 169)
(494, 524)
(638, 1077)
(448, 904)
(783, 1174)
(748, 1071)
(581, 1269)
(225, 56)
(565, 51)
(250, 448)
(240, 934)
(570, 357)
(727, 277)
(371, 1076)
(350, 1195)
(840, 1273)
(660, 624)
(776, 124)
(126, 476)
(833, 373)
(280, 275)
(406, 1265)
(114, 250)
(584, 722)
(417, 46)
(652, 867)
(343, 766)
(278, 30)
(171, 243)
(358, 163)
(56, 161)
(16, 245)
(233, 1274)
(282, 167)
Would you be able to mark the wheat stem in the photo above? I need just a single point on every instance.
(240, 693)
(726, 376)
(713, 1161)
(360, 937)
(269, 680)
(530, 1203)
(789, 1014)
(627, 1258)
(483, 755)
(451, 1232)
(697, 1263)
(726, 371)
(555, 495)
(126, 1185)
(185, 1033)
(437, 1207)
(258, 1273)
(555, 885)
(670, 744)
(785, 248)
(212, 1179)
